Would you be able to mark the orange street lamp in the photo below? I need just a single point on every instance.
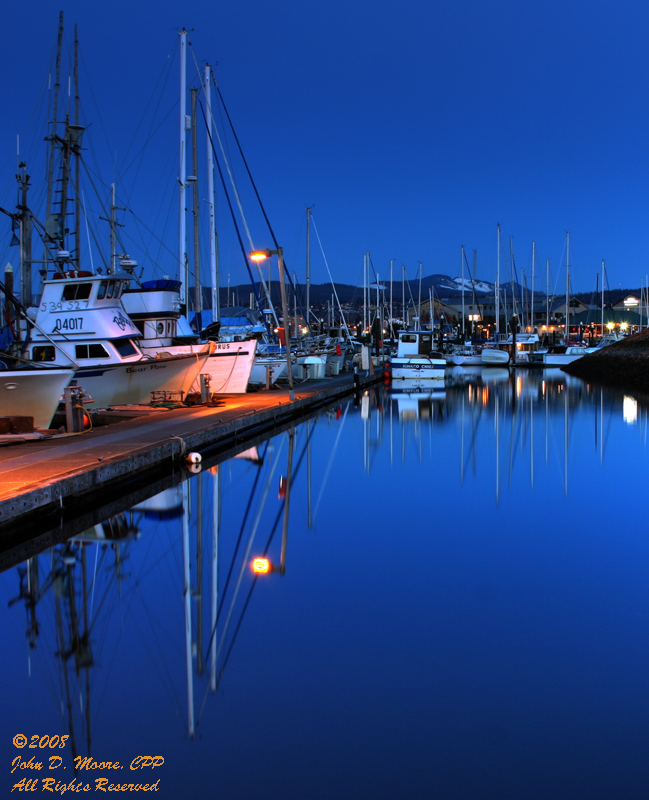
(260, 255)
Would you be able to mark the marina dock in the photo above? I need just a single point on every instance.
(72, 475)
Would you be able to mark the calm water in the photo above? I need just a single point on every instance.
(463, 610)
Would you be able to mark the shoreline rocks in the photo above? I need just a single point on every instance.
(625, 363)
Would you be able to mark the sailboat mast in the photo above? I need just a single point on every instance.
(498, 287)
(532, 299)
(567, 286)
(603, 281)
(198, 304)
(419, 298)
(547, 295)
(308, 264)
(182, 255)
(214, 273)
(462, 280)
(364, 293)
(391, 312)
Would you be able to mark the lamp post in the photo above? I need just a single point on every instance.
(261, 255)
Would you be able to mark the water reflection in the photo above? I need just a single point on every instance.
(441, 592)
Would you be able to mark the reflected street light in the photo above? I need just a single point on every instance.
(261, 255)
(262, 565)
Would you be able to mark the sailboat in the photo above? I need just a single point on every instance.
(156, 306)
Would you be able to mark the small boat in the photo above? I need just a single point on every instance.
(416, 358)
(562, 354)
(33, 392)
(468, 355)
(492, 356)
(605, 341)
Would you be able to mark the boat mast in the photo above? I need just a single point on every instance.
(547, 295)
(25, 239)
(198, 305)
(391, 313)
(52, 137)
(77, 166)
(567, 285)
(419, 298)
(462, 279)
(498, 287)
(532, 299)
(214, 272)
(308, 265)
(603, 274)
(182, 254)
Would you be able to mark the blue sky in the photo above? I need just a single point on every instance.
(412, 128)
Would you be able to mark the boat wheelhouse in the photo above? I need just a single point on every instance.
(416, 358)
(81, 321)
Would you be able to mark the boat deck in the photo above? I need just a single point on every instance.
(41, 477)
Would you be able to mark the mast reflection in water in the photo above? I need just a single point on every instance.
(456, 606)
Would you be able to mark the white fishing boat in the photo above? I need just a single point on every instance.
(33, 392)
(155, 309)
(81, 322)
(562, 354)
(416, 358)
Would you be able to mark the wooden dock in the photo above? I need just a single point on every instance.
(47, 480)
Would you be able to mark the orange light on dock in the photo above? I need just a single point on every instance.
(261, 565)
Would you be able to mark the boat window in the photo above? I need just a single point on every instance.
(77, 291)
(101, 292)
(90, 351)
(43, 353)
(409, 338)
(124, 347)
(171, 327)
(159, 328)
(111, 289)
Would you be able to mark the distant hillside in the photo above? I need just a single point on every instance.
(444, 287)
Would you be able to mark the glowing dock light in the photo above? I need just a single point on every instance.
(260, 255)
(261, 565)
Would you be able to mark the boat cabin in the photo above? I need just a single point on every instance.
(81, 319)
(416, 343)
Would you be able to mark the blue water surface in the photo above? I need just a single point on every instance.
(459, 609)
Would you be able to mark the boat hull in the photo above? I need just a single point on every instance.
(132, 383)
(417, 368)
(560, 359)
(474, 360)
(229, 364)
(32, 393)
(495, 357)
